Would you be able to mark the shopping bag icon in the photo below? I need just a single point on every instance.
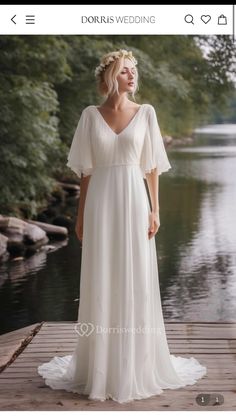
(222, 20)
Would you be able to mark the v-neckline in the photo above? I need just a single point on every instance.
(130, 122)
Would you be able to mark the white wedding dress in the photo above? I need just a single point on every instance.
(122, 350)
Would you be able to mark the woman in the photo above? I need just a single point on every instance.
(122, 350)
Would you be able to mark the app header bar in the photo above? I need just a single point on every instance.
(116, 19)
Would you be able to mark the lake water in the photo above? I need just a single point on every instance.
(196, 245)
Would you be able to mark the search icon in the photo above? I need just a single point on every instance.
(189, 19)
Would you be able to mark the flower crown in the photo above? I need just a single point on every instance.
(112, 56)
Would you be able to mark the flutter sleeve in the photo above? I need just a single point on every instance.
(80, 155)
(153, 153)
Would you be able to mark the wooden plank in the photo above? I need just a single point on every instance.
(227, 343)
(175, 333)
(44, 340)
(223, 344)
(179, 325)
(221, 365)
(59, 400)
(187, 346)
(64, 347)
(7, 377)
(12, 343)
(167, 324)
(180, 341)
(25, 371)
(17, 333)
(82, 404)
(203, 357)
(211, 364)
(206, 387)
(44, 355)
(29, 373)
(172, 346)
(175, 327)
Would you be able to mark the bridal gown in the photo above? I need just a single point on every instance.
(122, 351)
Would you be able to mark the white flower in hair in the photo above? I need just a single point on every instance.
(112, 56)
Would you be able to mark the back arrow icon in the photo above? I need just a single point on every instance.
(13, 20)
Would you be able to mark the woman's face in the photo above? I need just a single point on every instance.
(127, 77)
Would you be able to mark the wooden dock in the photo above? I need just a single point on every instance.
(21, 388)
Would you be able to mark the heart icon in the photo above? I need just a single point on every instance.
(84, 329)
(206, 18)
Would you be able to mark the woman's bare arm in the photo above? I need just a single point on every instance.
(83, 192)
(84, 182)
(153, 187)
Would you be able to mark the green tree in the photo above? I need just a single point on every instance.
(29, 134)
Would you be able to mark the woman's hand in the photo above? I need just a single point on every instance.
(79, 228)
(154, 224)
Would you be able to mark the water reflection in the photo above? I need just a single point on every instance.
(199, 282)
(225, 130)
(43, 287)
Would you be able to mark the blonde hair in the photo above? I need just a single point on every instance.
(107, 71)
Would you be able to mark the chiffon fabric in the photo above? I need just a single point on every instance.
(122, 351)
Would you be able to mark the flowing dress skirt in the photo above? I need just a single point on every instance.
(122, 350)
